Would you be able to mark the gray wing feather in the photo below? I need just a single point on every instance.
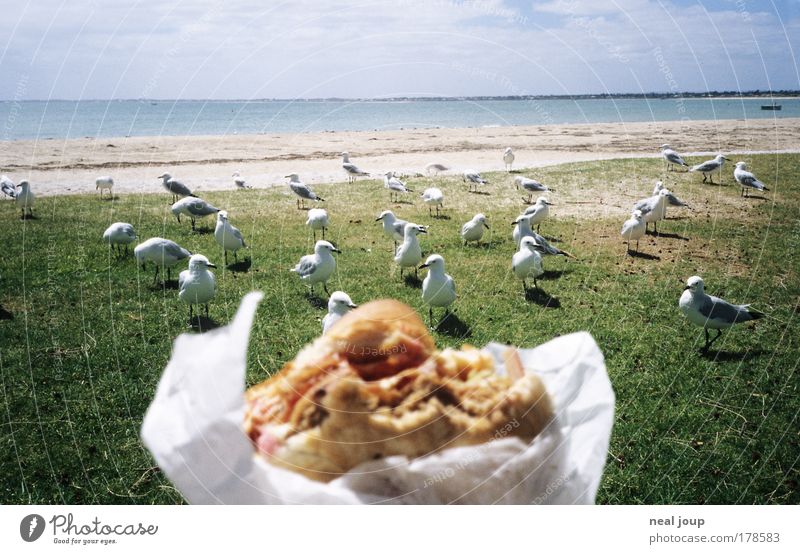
(674, 158)
(675, 201)
(177, 187)
(717, 308)
(352, 168)
(306, 266)
(645, 205)
(176, 251)
(201, 209)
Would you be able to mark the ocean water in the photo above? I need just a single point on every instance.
(118, 118)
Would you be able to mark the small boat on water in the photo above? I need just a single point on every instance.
(771, 107)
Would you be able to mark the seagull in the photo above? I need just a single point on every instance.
(527, 262)
(227, 236)
(435, 168)
(438, 288)
(433, 197)
(671, 157)
(338, 304)
(104, 183)
(712, 312)
(508, 159)
(302, 191)
(317, 219)
(239, 182)
(474, 178)
(531, 186)
(161, 252)
(653, 209)
(319, 266)
(634, 229)
(539, 211)
(672, 200)
(8, 187)
(174, 187)
(523, 229)
(708, 167)
(747, 180)
(193, 208)
(473, 229)
(25, 198)
(394, 185)
(118, 234)
(393, 227)
(351, 169)
(197, 284)
(409, 254)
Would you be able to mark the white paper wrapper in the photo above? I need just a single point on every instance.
(193, 428)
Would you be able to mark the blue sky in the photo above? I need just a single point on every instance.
(304, 48)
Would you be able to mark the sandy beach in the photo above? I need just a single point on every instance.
(207, 162)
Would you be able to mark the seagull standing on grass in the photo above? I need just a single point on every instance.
(523, 229)
(653, 209)
(317, 220)
(539, 211)
(351, 169)
(438, 288)
(409, 254)
(634, 229)
(473, 230)
(530, 186)
(25, 198)
(161, 252)
(394, 186)
(710, 312)
(174, 187)
(433, 197)
(473, 178)
(197, 284)
(104, 183)
(508, 159)
(671, 157)
(239, 182)
(708, 168)
(435, 168)
(747, 180)
(527, 262)
(672, 200)
(393, 227)
(194, 208)
(227, 236)
(338, 304)
(118, 234)
(302, 191)
(319, 266)
(8, 187)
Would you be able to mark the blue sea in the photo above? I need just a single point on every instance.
(118, 118)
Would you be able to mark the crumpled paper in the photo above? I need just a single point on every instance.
(193, 428)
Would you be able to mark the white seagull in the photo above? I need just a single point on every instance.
(508, 159)
(351, 169)
(438, 288)
(472, 230)
(527, 262)
(393, 227)
(710, 312)
(671, 157)
(747, 180)
(174, 187)
(104, 183)
(8, 187)
(193, 208)
(539, 211)
(653, 209)
(239, 182)
(634, 229)
(708, 167)
(25, 198)
(409, 254)
(302, 191)
(118, 234)
(530, 186)
(473, 178)
(435, 168)
(319, 266)
(338, 304)
(197, 284)
(227, 236)
(162, 252)
(394, 186)
(433, 197)
(523, 229)
(317, 220)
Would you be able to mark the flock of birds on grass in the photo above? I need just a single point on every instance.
(197, 284)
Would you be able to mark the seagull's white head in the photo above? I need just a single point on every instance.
(222, 215)
(508, 150)
(481, 218)
(198, 261)
(637, 214)
(387, 215)
(659, 185)
(694, 284)
(24, 184)
(663, 192)
(165, 176)
(294, 177)
(340, 303)
(434, 263)
(543, 201)
(345, 156)
(664, 146)
(529, 243)
(523, 220)
(741, 165)
(325, 246)
(413, 229)
(389, 174)
(720, 158)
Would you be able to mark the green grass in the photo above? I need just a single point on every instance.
(89, 337)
